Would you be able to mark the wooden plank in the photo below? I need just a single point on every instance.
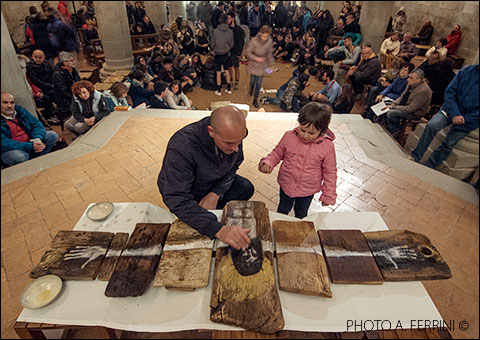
(349, 259)
(186, 259)
(74, 255)
(103, 86)
(113, 254)
(300, 263)
(136, 267)
(403, 255)
(248, 301)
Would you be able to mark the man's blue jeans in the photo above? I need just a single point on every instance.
(241, 189)
(435, 124)
(276, 100)
(13, 157)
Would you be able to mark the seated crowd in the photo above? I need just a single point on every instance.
(207, 52)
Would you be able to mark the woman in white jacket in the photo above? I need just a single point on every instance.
(176, 99)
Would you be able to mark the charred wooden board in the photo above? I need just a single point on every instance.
(113, 254)
(403, 255)
(186, 259)
(349, 259)
(300, 263)
(75, 255)
(136, 267)
(248, 301)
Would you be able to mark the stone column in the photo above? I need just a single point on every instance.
(177, 8)
(13, 80)
(157, 11)
(373, 22)
(333, 6)
(115, 35)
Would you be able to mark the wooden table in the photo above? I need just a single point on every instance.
(31, 330)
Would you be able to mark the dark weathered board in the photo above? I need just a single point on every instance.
(136, 267)
(250, 301)
(74, 255)
(349, 259)
(300, 263)
(113, 254)
(186, 259)
(403, 255)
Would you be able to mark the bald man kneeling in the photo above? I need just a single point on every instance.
(199, 173)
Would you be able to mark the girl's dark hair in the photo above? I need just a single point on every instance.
(138, 74)
(118, 89)
(316, 114)
(196, 54)
(347, 93)
(175, 82)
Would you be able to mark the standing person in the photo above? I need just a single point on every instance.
(260, 60)
(267, 17)
(460, 109)
(399, 21)
(254, 19)
(63, 10)
(222, 43)
(217, 12)
(309, 162)
(130, 12)
(62, 36)
(191, 14)
(41, 37)
(64, 75)
(236, 52)
(199, 173)
(88, 107)
(138, 13)
(280, 15)
(23, 135)
(204, 14)
(243, 16)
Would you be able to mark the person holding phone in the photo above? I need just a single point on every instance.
(260, 60)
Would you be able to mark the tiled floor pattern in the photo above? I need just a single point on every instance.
(35, 207)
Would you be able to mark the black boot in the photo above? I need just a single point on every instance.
(255, 103)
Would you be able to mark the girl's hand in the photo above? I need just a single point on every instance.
(324, 204)
(265, 168)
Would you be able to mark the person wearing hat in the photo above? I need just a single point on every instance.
(400, 20)
(440, 48)
(64, 75)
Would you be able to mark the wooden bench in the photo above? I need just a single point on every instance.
(422, 49)
(458, 62)
(334, 37)
(98, 52)
(144, 43)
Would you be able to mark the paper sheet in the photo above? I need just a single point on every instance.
(162, 310)
(380, 108)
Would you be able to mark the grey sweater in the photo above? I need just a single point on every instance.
(222, 39)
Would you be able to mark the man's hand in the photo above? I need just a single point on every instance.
(265, 168)
(38, 146)
(210, 201)
(150, 86)
(326, 54)
(235, 236)
(259, 60)
(458, 120)
(379, 97)
(389, 106)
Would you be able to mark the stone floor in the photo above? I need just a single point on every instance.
(125, 169)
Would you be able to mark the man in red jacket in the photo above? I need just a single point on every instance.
(453, 40)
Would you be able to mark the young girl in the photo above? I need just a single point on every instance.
(309, 162)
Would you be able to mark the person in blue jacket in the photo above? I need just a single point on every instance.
(137, 92)
(23, 135)
(460, 109)
(199, 174)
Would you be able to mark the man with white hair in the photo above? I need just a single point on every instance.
(411, 105)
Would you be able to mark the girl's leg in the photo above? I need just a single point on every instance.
(301, 206)
(286, 203)
(252, 83)
(258, 84)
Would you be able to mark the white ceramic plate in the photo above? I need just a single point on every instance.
(100, 211)
(41, 291)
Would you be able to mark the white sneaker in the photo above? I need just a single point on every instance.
(218, 93)
(228, 91)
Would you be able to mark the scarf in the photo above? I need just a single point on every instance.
(87, 106)
(405, 96)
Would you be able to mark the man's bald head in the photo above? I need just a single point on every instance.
(8, 104)
(227, 128)
(38, 56)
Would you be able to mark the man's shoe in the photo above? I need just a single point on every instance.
(235, 86)
(229, 91)
(255, 104)
(54, 121)
(218, 92)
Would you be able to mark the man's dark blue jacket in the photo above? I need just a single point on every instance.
(192, 167)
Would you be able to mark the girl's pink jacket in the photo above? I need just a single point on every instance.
(307, 168)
